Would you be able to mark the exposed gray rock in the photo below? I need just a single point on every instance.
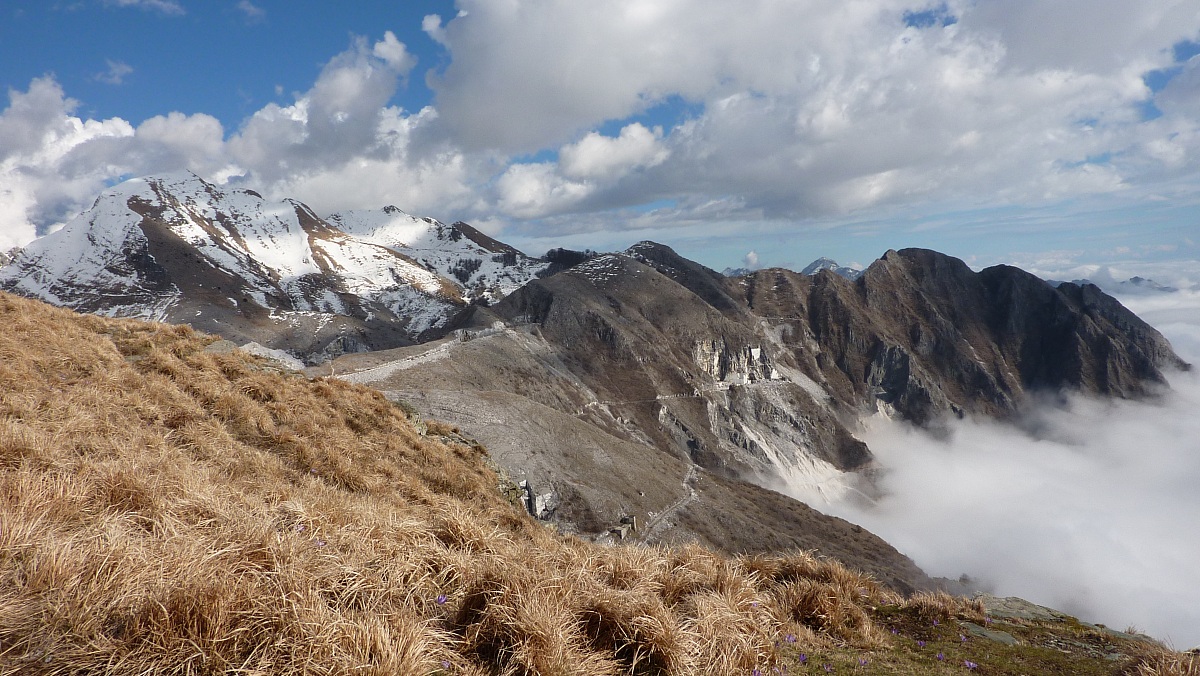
(990, 634)
(1012, 607)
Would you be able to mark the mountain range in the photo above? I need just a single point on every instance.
(633, 393)
(176, 248)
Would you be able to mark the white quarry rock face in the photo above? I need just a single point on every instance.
(735, 367)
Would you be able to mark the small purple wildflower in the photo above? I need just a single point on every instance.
(895, 631)
(970, 665)
(441, 599)
(319, 542)
(299, 528)
(862, 661)
(790, 638)
(828, 668)
(445, 664)
(803, 658)
(987, 620)
(920, 644)
(940, 657)
(935, 623)
(963, 637)
(756, 672)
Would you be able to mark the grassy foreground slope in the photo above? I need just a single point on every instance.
(167, 506)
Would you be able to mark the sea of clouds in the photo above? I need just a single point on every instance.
(1089, 506)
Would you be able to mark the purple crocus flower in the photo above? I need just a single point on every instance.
(940, 657)
(803, 658)
(441, 599)
(756, 672)
(828, 668)
(963, 637)
(862, 661)
(920, 644)
(790, 638)
(970, 665)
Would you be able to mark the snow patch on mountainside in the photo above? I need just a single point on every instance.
(601, 269)
(90, 251)
(850, 273)
(482, 268)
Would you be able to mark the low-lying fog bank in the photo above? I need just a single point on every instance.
(1089, 506)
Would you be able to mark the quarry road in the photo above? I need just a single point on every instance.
(661, 521)
(382, 371)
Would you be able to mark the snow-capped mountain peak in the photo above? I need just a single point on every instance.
(824, 263)
(486, 269)
(175, 247)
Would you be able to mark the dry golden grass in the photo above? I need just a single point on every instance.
(1167, 663)
(165, 509)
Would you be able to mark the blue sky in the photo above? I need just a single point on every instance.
(222, 58)
(1024, 131)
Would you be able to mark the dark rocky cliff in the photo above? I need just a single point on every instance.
(922, 333)
(747, 376)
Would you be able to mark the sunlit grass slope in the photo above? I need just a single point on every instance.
(168, 507)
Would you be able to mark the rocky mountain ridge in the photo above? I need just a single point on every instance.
(641, 366)
(822, 263)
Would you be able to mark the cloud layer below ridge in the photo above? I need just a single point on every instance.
(1089, 507)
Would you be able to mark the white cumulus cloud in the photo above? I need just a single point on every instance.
(40, 186)
(603, 157)
(824, 108)
(115, 75)
(251, 11)
(534, 190)
(168, 7)
(753, 114)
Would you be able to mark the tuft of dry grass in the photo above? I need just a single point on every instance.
(1169, 663)
(166, 509)
(942, 606)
